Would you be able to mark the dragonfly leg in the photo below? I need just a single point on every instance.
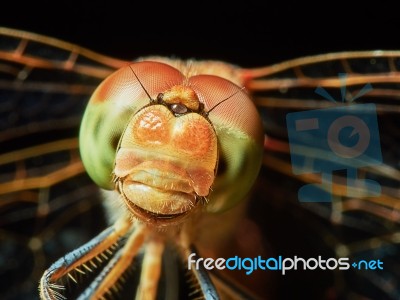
(108, 279)
(201, 285)
(151, 270)
(81, 260)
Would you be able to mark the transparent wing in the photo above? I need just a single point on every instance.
(358, 227)
(47, 203)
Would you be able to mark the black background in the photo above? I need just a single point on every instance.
(246, 33)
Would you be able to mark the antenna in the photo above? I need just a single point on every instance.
(212, 108)
(147, 93)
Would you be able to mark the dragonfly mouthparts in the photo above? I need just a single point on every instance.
(158, 218)
(158, 195)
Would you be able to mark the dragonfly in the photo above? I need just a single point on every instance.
(77, 231)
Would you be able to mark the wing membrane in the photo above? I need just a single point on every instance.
(46, 200)
(355, 227)
(48, 205)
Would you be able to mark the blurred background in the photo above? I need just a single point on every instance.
(249, 35)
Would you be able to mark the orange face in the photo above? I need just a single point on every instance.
(167, 158)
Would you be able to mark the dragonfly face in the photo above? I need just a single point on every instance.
(176, 147)
(175, 175)
(167, 133)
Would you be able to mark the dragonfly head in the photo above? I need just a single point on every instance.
(170, 143)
